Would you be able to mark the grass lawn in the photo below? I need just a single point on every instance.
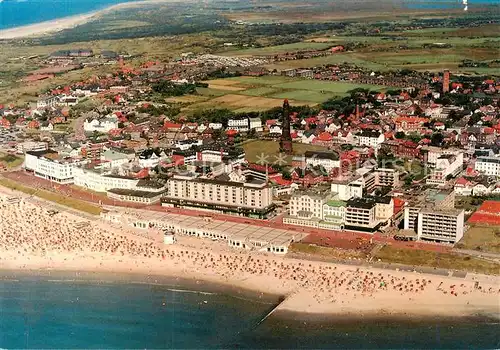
(260, 91)
(279, 49)
(304, 95)
(339, 88)
(53, 197)
(481, 238)
(324, 252)
(440, 260)
(10, 160)
(255, 149)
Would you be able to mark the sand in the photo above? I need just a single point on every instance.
(33, 239)
(59, 24)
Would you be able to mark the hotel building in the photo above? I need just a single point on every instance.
(50, 165)
(433, 217)
(251, 198)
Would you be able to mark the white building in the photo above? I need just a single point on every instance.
(488, 165)
(36, 146)
(447, 165)
(49, 165)
(215, 126)
(49, 101)
(347, 189)
(370, 138)
(238, 124)
(317, 208)
(440, 225)
(328, 160)
(433, 217)
(115, 158)
(150, 159)
(432, 153)
(103, 125)
(255, 123)
(252, 198)
(102, 180)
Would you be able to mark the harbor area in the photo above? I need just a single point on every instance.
(237, 235)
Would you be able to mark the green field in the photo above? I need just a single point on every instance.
(247, 93)
(481, 238)
(260, 91)
(270, 50)
(440, 260)
(339, 88)
(257, 150)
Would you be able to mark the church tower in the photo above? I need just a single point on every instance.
(286, 138)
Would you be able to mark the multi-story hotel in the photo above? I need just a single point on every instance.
(440, 225)
(50, 165)
(433, 217)
(249, 198)
(317, 208)
(368, 213)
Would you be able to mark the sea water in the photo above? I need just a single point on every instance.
(37, 313)
(15, 13)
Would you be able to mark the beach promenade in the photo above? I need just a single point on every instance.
(332, 238)
(33, 238)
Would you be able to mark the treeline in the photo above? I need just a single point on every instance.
(168, 89)
(223, 115)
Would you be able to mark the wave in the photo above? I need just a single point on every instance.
(190, 291)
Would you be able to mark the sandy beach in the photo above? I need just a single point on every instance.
(59, 24)
(33, 239)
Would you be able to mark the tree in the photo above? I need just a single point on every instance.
(400, 135)
(286, 175)
(437, 139)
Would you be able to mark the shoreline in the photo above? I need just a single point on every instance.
(186, 285)
(59, 24)
(33, 241)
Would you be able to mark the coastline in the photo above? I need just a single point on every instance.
(56, 25)
(34, 245)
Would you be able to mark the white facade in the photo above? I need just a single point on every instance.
(373, 141)
(347, 190)
(440, 226)
(152, 161)
(101, 181)
(488, 166)
(213, 192)
(255, 123)
(26, 146)
(215, 126)
(104, 125)
(446, 165)
(50, 101)
(52, 168)
(238, 124)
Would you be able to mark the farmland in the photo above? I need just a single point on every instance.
(245, 93)
(397, 50)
